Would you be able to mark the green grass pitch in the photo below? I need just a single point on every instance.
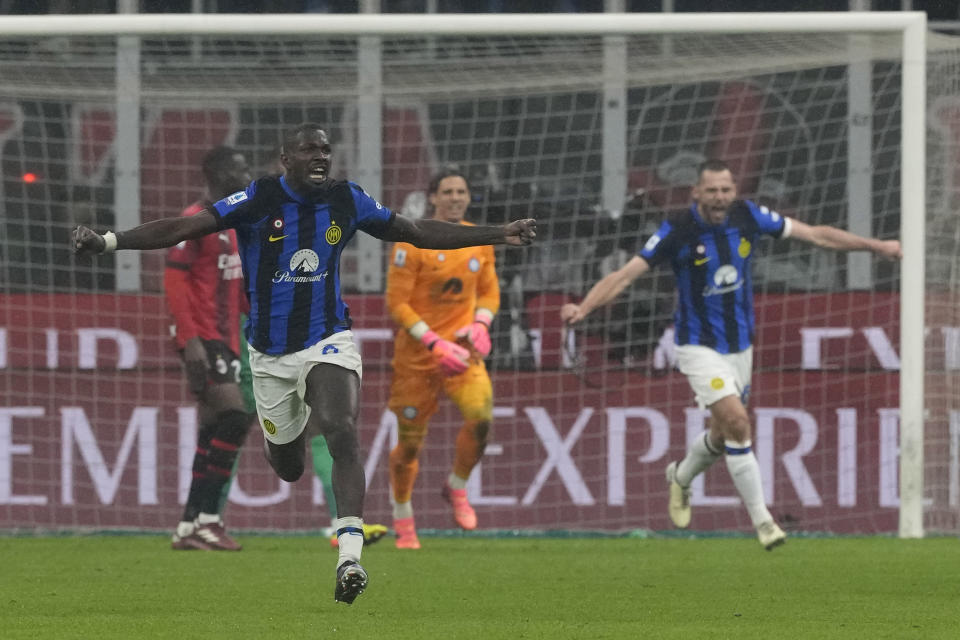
(282, 587)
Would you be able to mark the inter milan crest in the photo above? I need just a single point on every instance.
(334, 233)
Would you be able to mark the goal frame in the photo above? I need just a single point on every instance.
(912, 26)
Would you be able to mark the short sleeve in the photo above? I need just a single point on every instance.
(768, 221)
(657, 248)
(237, 209)
(372, 217)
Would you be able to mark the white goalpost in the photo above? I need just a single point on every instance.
(591, 122)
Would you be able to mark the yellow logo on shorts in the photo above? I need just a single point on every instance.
(269, 427)
(334, 233)
(717, 383)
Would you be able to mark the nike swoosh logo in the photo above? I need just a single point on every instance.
(700, 261)
(273, 238)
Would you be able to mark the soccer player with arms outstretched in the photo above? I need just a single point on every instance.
(710, 247)
(203, 284)
(320, 454)
(306, 368)
(443, 302)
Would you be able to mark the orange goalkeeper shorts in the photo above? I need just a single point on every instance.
(414, 394)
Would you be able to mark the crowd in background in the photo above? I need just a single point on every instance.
(936, 9)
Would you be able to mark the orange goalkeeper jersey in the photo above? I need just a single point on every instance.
(442, 287)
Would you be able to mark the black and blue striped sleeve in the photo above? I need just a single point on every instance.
(242, 207)
(372, 217)
(657, 249)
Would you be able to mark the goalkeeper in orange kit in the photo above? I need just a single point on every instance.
(443, 302)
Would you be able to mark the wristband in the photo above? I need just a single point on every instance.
(484, 316)
(418, 329)
(109, 242)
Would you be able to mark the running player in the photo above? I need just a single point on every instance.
(443, 302)
(710, 247)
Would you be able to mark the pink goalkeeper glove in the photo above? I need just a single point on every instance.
(477, 334)
(451, 357)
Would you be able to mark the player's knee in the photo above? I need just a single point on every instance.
(412, 433)
(737, 429)
(409, 443)
(333, 422)
(289, 471)
(477, 412)
(286, 460)
(405, 452)
(341, 435)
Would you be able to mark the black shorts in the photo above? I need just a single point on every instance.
(224, 363)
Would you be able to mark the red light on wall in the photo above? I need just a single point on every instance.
(29, 177)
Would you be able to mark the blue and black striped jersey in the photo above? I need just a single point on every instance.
(290, 246)
(712, 267)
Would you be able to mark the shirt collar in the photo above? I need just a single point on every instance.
(290, 191)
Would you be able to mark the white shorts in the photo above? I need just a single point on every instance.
(280, 382)
(714, 375)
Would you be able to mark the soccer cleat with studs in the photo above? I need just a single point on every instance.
(770, 535)
(372, 533)
(351, 582)
(188, 542)
(679, 505)
(216, 538)
(463, 513)
(406, 532)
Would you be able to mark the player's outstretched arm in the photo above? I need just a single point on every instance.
(606, 289)
(157, 234)
(437, 234)
(829, 237)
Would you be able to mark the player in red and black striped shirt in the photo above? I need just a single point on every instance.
(203, 281)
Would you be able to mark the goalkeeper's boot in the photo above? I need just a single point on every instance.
(679, 506)
(463, 513)
(372, 533)
(351, 581)
(406, 533)
(216, 537)
(770, 535)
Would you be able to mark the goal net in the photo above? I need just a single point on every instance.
(598, 136)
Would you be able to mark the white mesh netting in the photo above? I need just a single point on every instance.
(96, 425)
